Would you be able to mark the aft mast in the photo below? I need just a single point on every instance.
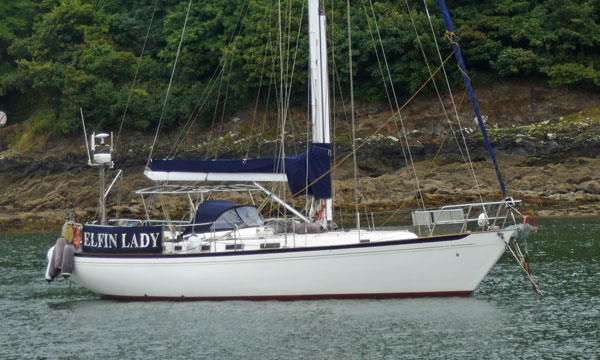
(319, 92)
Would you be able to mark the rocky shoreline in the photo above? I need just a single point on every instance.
(549, 153)
(37, 193)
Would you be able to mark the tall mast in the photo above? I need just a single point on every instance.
(319, 82)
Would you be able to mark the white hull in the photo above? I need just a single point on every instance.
(444, 265)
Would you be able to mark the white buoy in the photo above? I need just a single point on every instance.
(3, 118)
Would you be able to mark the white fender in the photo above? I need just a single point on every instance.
(51, 268)
(67, 260)
(59, 249)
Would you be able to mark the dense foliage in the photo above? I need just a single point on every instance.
(59, 55)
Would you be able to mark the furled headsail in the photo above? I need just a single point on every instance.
(463, 72)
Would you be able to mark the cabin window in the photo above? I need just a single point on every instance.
(234, 247)
(270, 246)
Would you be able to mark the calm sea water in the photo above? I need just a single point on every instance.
(503, 319)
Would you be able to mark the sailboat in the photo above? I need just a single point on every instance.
(229, 251)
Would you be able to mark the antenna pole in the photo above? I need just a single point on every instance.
(87, 146)
(102, 199)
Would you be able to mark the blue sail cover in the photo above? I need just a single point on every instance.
(307, 166)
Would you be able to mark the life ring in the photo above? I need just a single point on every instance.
(530, 218)
(76, 235)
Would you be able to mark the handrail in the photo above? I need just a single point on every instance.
(492, 216)
(511, 201)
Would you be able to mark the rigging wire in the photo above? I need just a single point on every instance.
(354, 148)
(223, 111)
(137, 69)
(281, 81)
(404, 133)
(454, 106)
(291, 75)
(218, 99)
(333, 115)
(434, 83)
(289, 79)
(280, 124)
(385, 85)
(170, 83)
(262, 130)
(240, 23)
(376, 131)
(337, 85)
(432, 162)
(203, 100)
(200, 105)
(385, 79)
(284, 95)
(262, 72)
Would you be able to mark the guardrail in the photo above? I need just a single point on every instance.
(487, 215)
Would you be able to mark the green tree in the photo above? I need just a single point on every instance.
(59, 55)
(15, 22)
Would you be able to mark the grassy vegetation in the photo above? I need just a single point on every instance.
(580, 126)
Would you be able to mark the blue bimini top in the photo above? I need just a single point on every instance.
(218, 215)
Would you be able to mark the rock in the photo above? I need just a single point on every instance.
(552, 166)
(590, 187)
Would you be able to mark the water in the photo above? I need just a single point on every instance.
(503, 319)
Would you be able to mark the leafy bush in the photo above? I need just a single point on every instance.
(67, 54)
